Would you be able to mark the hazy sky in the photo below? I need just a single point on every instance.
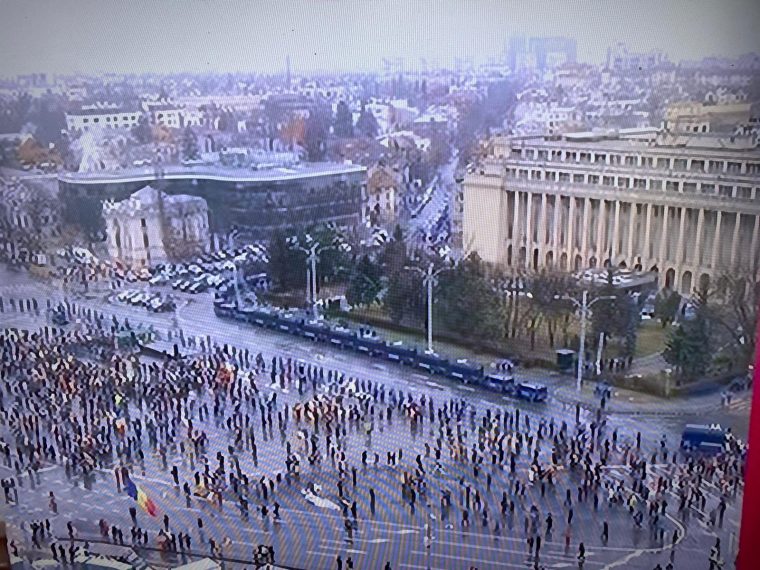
(219, 35)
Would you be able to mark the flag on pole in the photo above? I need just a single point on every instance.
(142, 499)
(146, 504)
(130, 488)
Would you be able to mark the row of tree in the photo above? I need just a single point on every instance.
(717, 325)
(471, 302)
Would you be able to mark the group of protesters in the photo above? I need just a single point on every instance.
(71, 397)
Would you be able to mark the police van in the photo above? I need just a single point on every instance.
(703, 438)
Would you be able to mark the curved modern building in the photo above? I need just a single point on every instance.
(254, 201)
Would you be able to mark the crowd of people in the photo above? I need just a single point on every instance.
(72, 398)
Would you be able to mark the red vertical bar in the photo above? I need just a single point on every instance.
(749, 536)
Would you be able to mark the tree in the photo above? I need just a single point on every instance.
(315, 132)
(287, 266)
(397, 294)
(190, 149)
(688, 347)
(366, 124)
(666, 306)
(547, 291)
(292, 132)
(729, 306)
(365, 284)
(344, 122)
(615, 317)
(142, 131)
(466, 303)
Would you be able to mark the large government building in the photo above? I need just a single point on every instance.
(252, 201)
(687, 206)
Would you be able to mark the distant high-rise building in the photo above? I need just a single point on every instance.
(540, 53)
(619, 58)
(287, 70)
(515, 52)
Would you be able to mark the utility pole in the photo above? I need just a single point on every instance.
(584, 307)
(429, 279)
(312, 256)
(311, 274)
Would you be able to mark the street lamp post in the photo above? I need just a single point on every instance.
(584, 307)
(429, 278)
(312, 256)
(237, 285)
(311, 275)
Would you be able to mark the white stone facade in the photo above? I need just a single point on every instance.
(688, 211)
(137, 237)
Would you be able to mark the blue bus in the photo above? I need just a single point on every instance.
(503, 383)
(342, 338)
(531, 392)
(369, 344)
(465, 371)
(432, 363)
(315, 330)
(704, 438)
(398, 352)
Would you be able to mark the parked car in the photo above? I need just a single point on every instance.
(197, 287)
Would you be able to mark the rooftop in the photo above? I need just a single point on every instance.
(214, 172)
(707, 143)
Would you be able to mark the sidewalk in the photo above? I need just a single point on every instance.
(625, 401)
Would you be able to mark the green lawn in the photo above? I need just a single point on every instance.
(651, 338)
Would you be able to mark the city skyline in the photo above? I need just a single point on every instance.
(335, 35)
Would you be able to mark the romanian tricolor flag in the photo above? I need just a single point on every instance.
(142, 499)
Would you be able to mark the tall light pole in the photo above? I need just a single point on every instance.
(312, 256)
(430, 279)
(584, 306)
(311, 274)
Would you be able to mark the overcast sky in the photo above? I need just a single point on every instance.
(61, 36)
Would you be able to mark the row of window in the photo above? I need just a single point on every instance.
(108, 119)
(729, 191)
(680, 164)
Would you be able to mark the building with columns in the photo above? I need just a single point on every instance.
(687, 206)
(135, 236)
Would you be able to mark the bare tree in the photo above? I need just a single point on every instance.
(731, 312)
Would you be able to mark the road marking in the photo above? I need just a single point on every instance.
(341, 549)
(432, 384)
(488, 560)
(468, 388)
(420, 376)
(624, 560)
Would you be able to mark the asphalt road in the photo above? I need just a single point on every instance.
(311, 537)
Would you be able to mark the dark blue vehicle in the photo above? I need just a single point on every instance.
(703, 438)
(264, 317)
(432, 363)
(499, 383)
(289, 323)
(531, 392)
(315, 330)
(343, 338)
(465, 371)
(398, 352)
(368, 342)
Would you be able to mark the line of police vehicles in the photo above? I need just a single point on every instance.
(366, 341)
